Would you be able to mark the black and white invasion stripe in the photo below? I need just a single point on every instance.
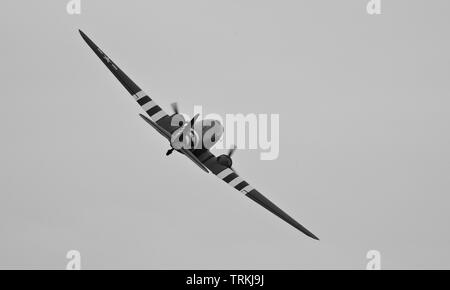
(153, 110)
(230, 177)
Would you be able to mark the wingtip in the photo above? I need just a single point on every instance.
(315, 238)
(308, 233)
(83, 35)
(266, 203)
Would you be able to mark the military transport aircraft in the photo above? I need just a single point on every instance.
(164, 124)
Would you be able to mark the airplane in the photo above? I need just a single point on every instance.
(173, 129)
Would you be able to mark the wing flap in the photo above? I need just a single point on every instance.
(193, 158)
(158, 128)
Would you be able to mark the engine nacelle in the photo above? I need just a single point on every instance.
(225, 160)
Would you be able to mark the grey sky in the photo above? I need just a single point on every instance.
(364, 146)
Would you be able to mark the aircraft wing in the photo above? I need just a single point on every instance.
(158, 128)
(159, 119)
(155, 112)
(234, 180)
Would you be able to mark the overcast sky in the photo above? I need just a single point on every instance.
(364, 134)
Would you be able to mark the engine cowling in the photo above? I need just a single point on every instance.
(225, 160)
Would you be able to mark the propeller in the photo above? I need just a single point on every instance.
(225, 159)
(194, 119)
(231, 151)
(185, 131)
(177, 111)
(175, 108)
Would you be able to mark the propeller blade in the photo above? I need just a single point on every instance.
(175, 108)
(231, 151)
(194, 119)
